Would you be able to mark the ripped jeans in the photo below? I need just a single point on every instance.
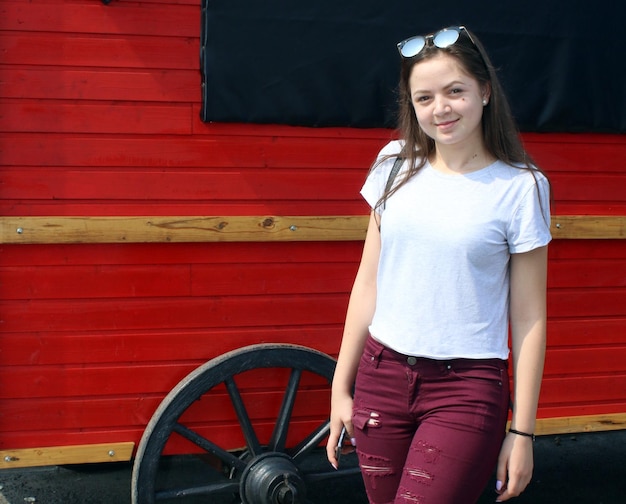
(428, 431)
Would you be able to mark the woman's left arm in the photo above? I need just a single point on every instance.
(528, 333)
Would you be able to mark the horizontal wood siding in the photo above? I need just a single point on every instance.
(100, 117)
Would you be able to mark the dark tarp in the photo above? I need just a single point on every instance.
(334, 62)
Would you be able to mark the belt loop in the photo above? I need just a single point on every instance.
(376, 356)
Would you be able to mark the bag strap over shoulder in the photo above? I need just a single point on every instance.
(392, 175)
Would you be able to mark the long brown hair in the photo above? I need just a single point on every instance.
(500, 132)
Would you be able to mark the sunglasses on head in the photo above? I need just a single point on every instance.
(443, 38)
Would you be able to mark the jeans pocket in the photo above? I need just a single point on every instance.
(364, 419)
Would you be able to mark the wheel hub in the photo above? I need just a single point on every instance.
(272, 478)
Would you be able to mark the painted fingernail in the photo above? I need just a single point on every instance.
(498, 486)
(334, 466)
(353, 441)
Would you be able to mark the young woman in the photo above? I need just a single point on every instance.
(455, 254)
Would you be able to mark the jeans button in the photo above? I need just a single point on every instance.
(411, 360)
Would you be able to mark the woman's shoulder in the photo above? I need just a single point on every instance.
(521, 173)
(392, 149)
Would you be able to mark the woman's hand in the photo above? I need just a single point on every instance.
(340, 416)
(515, 466)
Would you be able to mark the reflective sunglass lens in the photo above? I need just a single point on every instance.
(445, 38)
(412, 46)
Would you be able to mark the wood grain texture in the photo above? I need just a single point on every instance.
(44, 230)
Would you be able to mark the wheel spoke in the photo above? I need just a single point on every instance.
(205, 444)
(244, 420)
(279, 435)
(215, 488)
(311, 441)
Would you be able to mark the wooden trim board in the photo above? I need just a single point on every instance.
(61, 455)
(177, 229)
(580, 424)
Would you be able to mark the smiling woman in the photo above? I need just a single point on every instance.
(455, 255)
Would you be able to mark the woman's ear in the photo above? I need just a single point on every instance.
(486, 93)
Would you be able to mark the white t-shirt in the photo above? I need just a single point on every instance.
(446, 240)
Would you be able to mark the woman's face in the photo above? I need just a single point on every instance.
(448, 103)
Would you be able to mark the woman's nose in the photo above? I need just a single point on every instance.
(441, 105)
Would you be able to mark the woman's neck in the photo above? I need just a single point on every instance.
(454, 159)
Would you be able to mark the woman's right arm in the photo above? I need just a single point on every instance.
(358, 318)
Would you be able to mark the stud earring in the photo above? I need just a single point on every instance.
(484, 102)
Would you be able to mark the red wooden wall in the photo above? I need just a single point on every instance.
(99, 116)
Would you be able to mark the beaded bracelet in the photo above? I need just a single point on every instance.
(520, 433)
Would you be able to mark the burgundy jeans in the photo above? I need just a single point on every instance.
(428, 431)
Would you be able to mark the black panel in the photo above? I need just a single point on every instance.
(334, 62)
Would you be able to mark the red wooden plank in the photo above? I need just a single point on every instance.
(600, 302)
(175, 253)
(150, 346)
(90, 282)
(581, 208)
(589, 154)
(97, 281)
(178, 184)
(249, 279)
(575, 187)
(586, 332)
(197, 207)
(53, 116)
(572, 138)
(23, 415)
(587, 273)
(171, 313)
(587, 249)
(32, 149)
(585, 361)
(114, 51)
(121, 18)
(71, 381)
(137, 85)
(587, 390)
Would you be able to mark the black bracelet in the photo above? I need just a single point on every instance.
(520, 433)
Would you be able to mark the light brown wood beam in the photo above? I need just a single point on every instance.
(179, 229)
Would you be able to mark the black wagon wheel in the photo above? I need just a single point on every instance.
(270, 471)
